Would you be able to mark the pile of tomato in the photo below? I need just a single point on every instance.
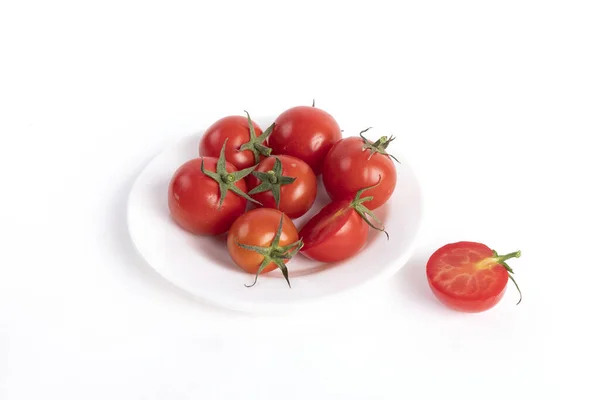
(275, 172)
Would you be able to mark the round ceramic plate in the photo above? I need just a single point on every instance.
(202, 267)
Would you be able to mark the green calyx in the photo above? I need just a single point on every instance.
(275, 254)
(502, 261)
(364, 212)
(255, 144)
(379, 146)
(226, 180)
(272, 180)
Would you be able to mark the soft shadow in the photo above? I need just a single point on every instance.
(381, 213)
(411, 282)
(122, 245)
(159, 196)
(315, 269)
(215, 248)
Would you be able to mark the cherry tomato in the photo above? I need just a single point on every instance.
(306, 133)
(199, 195)
(261, 240)
(244, 141)
(354, 163)
(339, 230)
(285, 183)
(469, 276)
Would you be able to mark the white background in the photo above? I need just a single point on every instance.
(496, 104)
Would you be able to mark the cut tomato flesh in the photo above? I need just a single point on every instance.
(326, 223)
(466, 270)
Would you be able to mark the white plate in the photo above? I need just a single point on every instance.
(202, 267)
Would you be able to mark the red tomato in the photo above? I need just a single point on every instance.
(339, 230)
(306, 133)
(199, 195)
(354, 163)
(261, 240)
(468, 276)
(336, 233)
(285, 183)
(244, 145)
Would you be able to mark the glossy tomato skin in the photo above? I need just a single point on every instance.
(258, 228)
(235, 129)
(296, 198)
(456, 281)
(194, 199)
(306, 133)
(336, 233)
(348, 168)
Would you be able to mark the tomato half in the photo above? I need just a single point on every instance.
(262, 240)
(469, 276)
(285, 183)
(354, 163)
(339, 230)
(306, 133)
(236, 130)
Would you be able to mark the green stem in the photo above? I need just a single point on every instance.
(367, 215)
(272, 181)
(274, 253)
(226, 180)
(518, 289)
(272, 177)
(502, 261)
(508, 256)
(379, 146)
(382, 141)
(262, 149)
(255, 144)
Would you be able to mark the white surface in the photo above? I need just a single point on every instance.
(496, 104)
(202, 266)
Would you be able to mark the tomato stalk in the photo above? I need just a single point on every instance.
(379, 146)
(363, 211)
(255, 144)
(226, 180)
(502, 261)
(272, 180)
(274, 254)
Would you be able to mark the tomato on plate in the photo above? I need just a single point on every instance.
(356, 162)
(245, 141)
(285, 183)
(339, 230)
(469, 276)
(306, 133)
(261, 240)
(199, 195)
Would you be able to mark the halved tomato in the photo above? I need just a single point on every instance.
(469, 276)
